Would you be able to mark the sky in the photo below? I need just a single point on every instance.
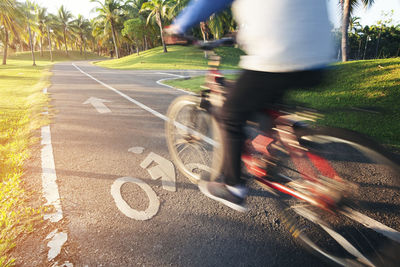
(368, 16)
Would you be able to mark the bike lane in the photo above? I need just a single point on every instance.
(111, 160)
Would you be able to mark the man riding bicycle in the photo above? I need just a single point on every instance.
(287, 45)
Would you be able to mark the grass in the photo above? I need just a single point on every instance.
(178, 57)
(58, 55)
(372, 84)
(21, 104)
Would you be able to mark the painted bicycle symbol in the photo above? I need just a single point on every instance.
(164, 170)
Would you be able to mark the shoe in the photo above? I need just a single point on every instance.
(221, 193)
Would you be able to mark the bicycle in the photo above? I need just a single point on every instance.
(326, 179)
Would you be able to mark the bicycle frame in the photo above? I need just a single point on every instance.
(304, 160)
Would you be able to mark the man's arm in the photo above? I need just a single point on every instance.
(197, 11)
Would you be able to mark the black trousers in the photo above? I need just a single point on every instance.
(253, 91)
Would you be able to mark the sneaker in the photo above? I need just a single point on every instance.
(221, 193)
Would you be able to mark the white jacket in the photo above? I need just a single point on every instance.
(277, 35)
(283, 35)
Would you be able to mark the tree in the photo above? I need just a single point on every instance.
(135, 30)
(221, 24)
(347, 8)
(28, 9)
(42, 20)
(159, 10)
(382, 23)
(110, 11)
(64, 18)
(8, 12)
(81, 26)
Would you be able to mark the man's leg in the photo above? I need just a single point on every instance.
(251, 92)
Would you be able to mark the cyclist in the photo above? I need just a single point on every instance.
(287, 44)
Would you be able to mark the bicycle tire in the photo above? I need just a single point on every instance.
(355, 234)
(196, 130)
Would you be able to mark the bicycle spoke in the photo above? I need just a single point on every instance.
(307, 214)
(202, 157)
(185, 147)
(196, 134)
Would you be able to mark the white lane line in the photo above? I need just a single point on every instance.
(50, 191)
(57, 241)
(155, 113)
(49, 177)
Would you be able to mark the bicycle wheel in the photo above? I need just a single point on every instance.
(364, 228)
(193, 139)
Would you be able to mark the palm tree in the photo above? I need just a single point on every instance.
(133, 7)
(64, 18)
(28, 9)
(41, 18)
(159, 9)
(221, 23)
(110, 12)
(356, 32)
(98, 33)
(8, 12)
(347, 7)
(81, 26)
(50, 22)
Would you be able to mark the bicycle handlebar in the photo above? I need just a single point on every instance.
(210, 45)
(203, 45)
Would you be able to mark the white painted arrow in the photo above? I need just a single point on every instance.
(98, 104)
(164, 170)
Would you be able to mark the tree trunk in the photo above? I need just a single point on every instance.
(345, 29)
(377, 44)
(366, 44)
(81, 43)
(114, 40)
(204, 30)
(41, 46)
(84, 49)
(31, 43)
(159, 22)
(5, 46)
(359, 48)
(50, 49)
(65, 41)
(146, 45)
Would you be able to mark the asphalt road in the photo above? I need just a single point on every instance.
(123, 202)
(92, 150)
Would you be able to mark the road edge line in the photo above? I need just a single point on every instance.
(160, 82)
(50, 190)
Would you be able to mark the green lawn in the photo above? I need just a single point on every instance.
(58, 55)
(21, 102)
(21, 105)
(178, 57)
(373, 85)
